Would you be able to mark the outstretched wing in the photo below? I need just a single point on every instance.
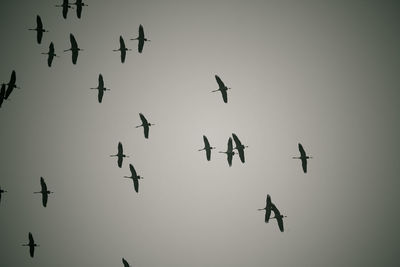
(101, 81)
(32, 251)
(133, 171)
(74, 44)
(79, 9)
(120, 149)
(123, 56)
(43, 184)
(126, 264)
(146, 131)
(278, 216)
(220, 82)
(143, 119)
(230, 146)
(30, 236)
(44, 199)
(141, 32)
(140, 45)
(13, 78)
(65, 8)
(136, 185)
(237, 141)
(74, 56)
(241, 154)
(206, 143)
(2, 93)
(39, 22)
(100, 95)
(224, 94)
(302, 152)
(51, 48)
(304, 164)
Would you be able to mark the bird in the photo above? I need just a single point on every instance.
(100, 88)
(145, 125)
(239, 147)
(79, 4)
(51, 54)
(1, 192)
(11, 85)
(207, 148)
(74, 48)
(2, 93)
(122, 48)
(268, 208)
(31, 245)
(135, 178)
(278, 216)
(303, 157)
(141, 38)
(229, 153)
(120, 155)
(126, 264)
(222, 88)
(65, 6)
(45, 192)
(39, 29)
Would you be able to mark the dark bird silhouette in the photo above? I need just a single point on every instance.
(122, 48)
(229, 152)
(145, 125)
(45, 192)
(74, 48)
(141, 38)
(126, 264)
(31, 245)
(278, 216)
(222, 88)
(268, 208)
(135, 178)
(65, 6)
(1, 192)
(207, 148)
(239, 147)
(303, 157)
(39, 29)
(120, 155)
(79, 4)
(101, 89)
(11, 85)
(2, 93)
(51, 54)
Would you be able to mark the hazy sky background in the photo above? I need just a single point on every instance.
(323, 73)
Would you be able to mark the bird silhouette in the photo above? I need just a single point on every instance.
(145, 125)
(278, 216)
(74, 49)
(122, 48)
(31, 245)
(65, 6)
(39, 29)
(101, 89)
(11, 85)
(207, 148)
(239, 147)
(1, 192)
(141, 38)
(268, 208)
(2, 93)
(45, 192)
(79, 4)
(222, 88)
(303, 157)
(120, 155)
(229, 152)
(135, 178)
(126, 264)
(51, 54)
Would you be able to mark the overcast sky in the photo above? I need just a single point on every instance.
(322, 73)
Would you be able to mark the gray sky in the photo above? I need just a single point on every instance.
(323, 73)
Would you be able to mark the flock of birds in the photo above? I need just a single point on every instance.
(7, 89)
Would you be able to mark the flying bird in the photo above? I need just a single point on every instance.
(74, 48)
(120, 155)
(239, 147)
(65, 6)
(141, 38)
(229, 152)
(51, 54)
(79, 4)
(2, 93)
(268, 208)
(39, 29)
(1, 192)
(122, 48)
(31, 245)
(222, 88)
(100, 88)
(135, 178)
(11, 85)
(303, 157)
(278, 216)
(45, 192)
(145, 125)
(126, 264)
(207, 148)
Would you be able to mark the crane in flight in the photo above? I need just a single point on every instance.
(79, 4)
(126, 264)
(141, 38)
(11, 85)
(2, 93)
(101, 89)
(120, 154)
(74, 48)
(303, 157)
(51, 54)
(44, 191)
(1, 192)
(31, 244)
(222, 88)
(65, 6)
(135, 178)
(268, 208)
(229, 152)
(145, 125)
(122, 48)
(239, 147)
(39, 29)
(207, 148)
(278, 216)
